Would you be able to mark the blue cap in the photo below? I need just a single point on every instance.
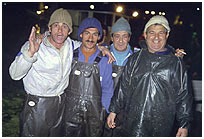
(90, 23)
(121, 25)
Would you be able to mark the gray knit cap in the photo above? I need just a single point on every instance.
(121, 25)
(158, 19)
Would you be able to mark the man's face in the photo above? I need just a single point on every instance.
(156, 37)
(59, 33)
(120, 40)
(90, 36)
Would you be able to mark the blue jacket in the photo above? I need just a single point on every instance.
(105, 76)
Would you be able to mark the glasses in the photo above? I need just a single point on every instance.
(124, 37)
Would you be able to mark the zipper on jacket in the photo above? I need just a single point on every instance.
(123, 60)
(126, 57)
(181, 78)
(59, 99)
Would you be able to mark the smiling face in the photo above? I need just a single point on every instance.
(89, 36)
(120, 40)
(59, 33)
(156, 37)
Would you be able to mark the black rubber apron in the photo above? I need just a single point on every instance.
(84, 114)
(115, 132)
(116, 72)
(42, 116)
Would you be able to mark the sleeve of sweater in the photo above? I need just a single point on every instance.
(106, 83)
(22, 63)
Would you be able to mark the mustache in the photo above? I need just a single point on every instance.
(89, 41)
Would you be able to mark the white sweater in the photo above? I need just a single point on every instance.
(47, 72)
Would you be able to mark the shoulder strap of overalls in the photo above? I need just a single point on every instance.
(72, 45)
(98, 58)
(75, 52)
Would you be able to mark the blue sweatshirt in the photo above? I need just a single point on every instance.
(121, 58)
(105, 75)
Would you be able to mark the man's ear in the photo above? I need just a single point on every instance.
(99, 38)
(80, 35)
(167, 35)
(129, 38)
(145, 35)
(111, 38)
(49, 29)
(69, 32)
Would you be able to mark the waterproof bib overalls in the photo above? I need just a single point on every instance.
(42, 116)
(84, 111)
(115, 132)
(116, 72)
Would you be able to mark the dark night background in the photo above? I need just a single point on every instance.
(19, 17)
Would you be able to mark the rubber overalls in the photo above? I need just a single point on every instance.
(116, 72)
(84, 114)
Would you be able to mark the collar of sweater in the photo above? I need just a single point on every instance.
(120, 56)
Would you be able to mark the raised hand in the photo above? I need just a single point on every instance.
(34, 42)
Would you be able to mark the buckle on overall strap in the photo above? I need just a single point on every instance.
(98, 58)
(76, 54)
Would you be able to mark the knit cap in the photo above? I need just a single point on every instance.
(121, 25)
(158, 19)
(89, 23)
(62, 16)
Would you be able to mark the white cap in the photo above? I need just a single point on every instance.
(158, 19)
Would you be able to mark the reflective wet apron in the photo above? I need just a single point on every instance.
(116, 72)
(42, 116)
(115, 132)
(84, 111)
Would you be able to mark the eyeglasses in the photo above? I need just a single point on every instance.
(124, 37)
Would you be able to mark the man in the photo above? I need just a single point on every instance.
(90, 87)
(121, 50)
(153, 89)
(45, 69)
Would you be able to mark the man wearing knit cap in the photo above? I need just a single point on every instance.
(44, 68)
(121, 50)
(153, 88)
(44, 64)
(90, 87)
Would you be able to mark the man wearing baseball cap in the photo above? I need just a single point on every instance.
(90, 87)
(153, 89)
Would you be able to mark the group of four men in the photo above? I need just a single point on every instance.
(70, 84)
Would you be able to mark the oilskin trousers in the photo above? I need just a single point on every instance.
(115, 132)
(42, 116)
(84, 114)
